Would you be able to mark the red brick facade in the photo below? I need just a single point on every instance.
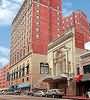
(79, 21)
(46, 22)
(3, 77)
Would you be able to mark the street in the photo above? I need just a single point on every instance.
(16, 97)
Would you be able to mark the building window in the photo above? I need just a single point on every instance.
(23, 52)
(8, 76)
(23, 80)
(44, 68)
(58, 23)
(20, 73)
(37, 23)
(16, 74)
(58, 13)
(37, 29)
(58, 35)
(27, 78)
(23, 70)
(28, 48)
(27, 69)
(86, 69)
(37, 36)
(37, 17)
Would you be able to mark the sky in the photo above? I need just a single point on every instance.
(8, 10)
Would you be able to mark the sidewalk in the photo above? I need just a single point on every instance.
(76, 97)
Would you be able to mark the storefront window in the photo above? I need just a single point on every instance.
(86, 69)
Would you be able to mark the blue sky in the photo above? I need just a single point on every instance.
(9, 8)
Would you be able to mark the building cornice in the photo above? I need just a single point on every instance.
(18, 13)
(85, 55)
(61, 39)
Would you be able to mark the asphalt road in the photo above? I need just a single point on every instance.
(13, 97)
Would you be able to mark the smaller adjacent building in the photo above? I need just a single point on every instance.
(83, 84)
(4, 84)
(64, 61)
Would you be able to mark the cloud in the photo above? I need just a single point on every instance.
(8, 10)
(4, 56)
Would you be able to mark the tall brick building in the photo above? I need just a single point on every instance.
(36, 24)
(79, 21)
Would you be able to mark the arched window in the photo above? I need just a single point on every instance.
(27, 69)
(23, 70)
(20, 72)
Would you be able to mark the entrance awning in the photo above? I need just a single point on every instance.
(54, 78)
(47, 79)
(24, 85)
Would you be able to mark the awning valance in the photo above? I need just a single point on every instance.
(24, 85)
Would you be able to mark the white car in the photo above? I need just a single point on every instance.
(88, 94)
(39, 94)
(55, 93)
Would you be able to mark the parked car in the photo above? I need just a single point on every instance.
(88, 93)
(30, 93)
(17, 92)
(39, 94)
(10, 93)
(55, 93)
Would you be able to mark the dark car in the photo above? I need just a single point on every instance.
(55, 93)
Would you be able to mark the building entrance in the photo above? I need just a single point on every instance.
(82, 88)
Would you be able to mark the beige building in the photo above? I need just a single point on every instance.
(64, 60)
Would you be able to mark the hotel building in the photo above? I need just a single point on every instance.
(32, 29)
(38, 30)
